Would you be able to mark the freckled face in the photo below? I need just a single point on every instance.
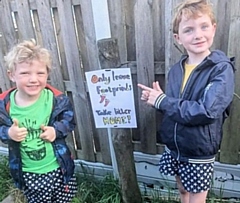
(30, 79)
(196, 35)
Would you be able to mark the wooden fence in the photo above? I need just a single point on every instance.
(143, 32)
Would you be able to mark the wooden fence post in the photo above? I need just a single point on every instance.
(229, 152)
(121, 137)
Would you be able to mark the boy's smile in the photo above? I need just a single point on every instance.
(196, 34)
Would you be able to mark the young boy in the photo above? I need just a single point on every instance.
(199, 90)
(35, 120)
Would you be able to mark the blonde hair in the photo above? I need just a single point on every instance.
(192, 8)
(27, 51)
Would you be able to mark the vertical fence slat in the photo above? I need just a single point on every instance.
(49, 40)
(25, 26)
(7, 26)
(231, 139)
(4, 81)
(159, 30)
(172, 54)
(145, 72)
(130, 29)
(60, 44)
(90, 35)
(7, 40)
(118, 27)
(37, 28)
(80, 99)
(81, 36)
(222, 12)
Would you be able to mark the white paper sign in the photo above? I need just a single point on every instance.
(111, 94)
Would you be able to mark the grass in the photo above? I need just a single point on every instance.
(91, 189)
(6, 183)
(95, 190)
(5, 178)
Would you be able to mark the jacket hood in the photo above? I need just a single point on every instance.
(218, 56)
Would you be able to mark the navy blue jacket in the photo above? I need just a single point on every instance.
(192, 119)
(61, 119)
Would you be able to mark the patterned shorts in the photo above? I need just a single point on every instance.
(49, 187)
(195, 178)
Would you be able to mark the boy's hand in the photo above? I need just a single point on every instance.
(17, 134)
(48, 134)
(150, 94)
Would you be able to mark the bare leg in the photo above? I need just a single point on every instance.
(198, 197)
(187, 197)
(184, 195)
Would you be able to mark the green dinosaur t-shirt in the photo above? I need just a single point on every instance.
(37, 155)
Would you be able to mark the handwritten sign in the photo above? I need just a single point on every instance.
(112, 100)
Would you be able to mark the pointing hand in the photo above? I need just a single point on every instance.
(150, 94)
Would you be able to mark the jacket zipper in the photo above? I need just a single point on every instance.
(175, 127)
(175, 140)
(181, 96)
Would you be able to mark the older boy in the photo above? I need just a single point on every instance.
(199, 90)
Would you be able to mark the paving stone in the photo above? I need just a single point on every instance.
(8, 199)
